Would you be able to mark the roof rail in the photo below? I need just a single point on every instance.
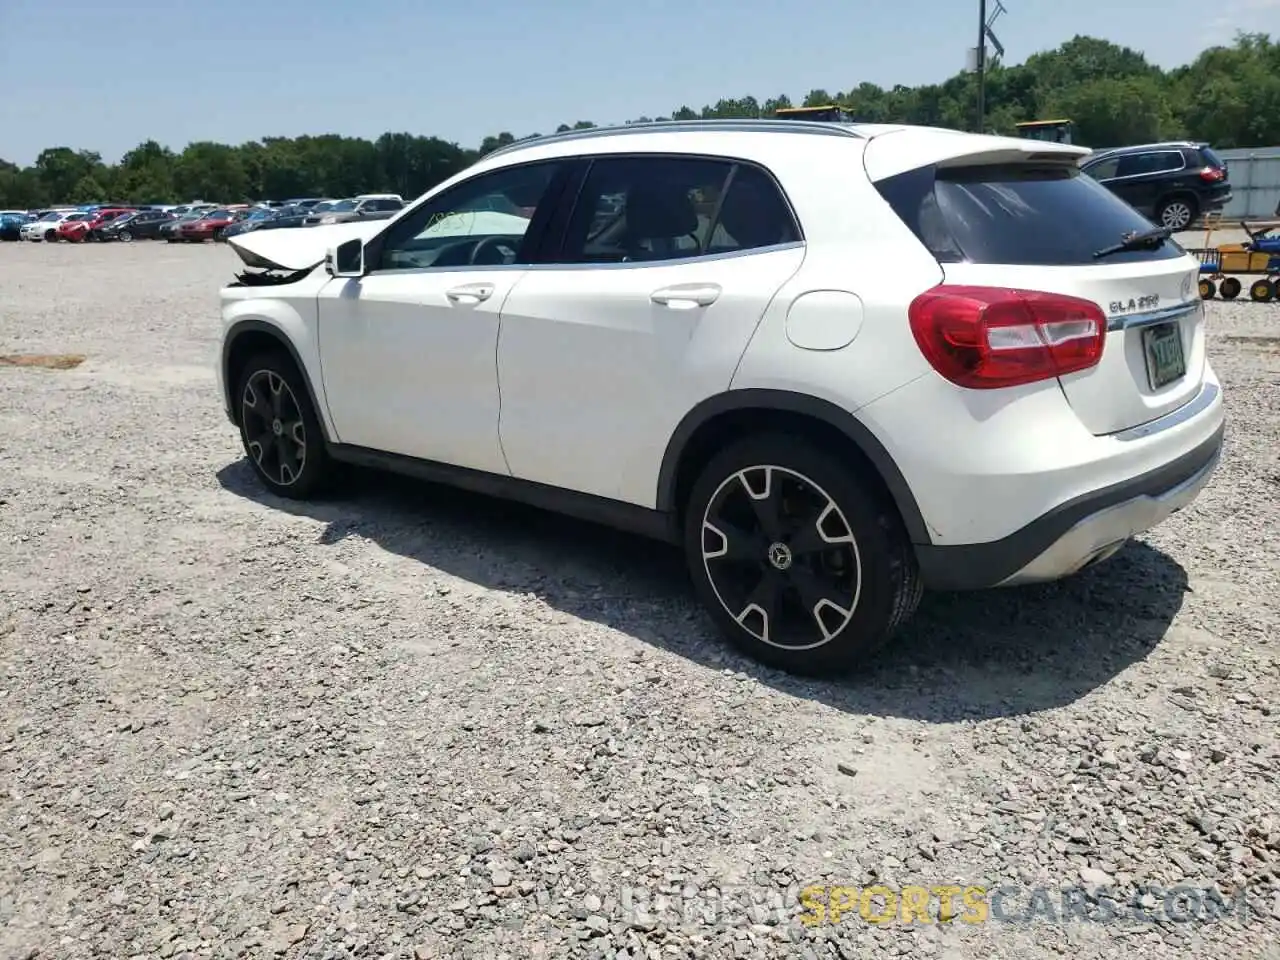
(764, 125)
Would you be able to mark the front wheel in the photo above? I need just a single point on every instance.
(51, 236)
(800, 564)
(1262, 291)
(124, 236)
(280, 429)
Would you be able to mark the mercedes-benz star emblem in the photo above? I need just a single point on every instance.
(780, 556)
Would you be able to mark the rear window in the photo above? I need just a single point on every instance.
(1210, 158)
(1028, 214)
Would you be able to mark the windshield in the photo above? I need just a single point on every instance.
(343, 206)
(49, 217)
(218, 215)
(80, 216)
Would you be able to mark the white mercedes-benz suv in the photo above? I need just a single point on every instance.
(838, 364)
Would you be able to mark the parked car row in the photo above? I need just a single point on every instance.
(188, 223)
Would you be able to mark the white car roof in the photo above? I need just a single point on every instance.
(897, 147)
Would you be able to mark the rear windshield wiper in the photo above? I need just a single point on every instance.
(1148, 240)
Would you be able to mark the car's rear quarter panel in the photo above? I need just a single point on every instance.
(859, 249)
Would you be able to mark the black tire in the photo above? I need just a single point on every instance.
(874, 569)
(1177, 213)
(1207, 289)
(51, 236)
(124, 236)
(1229, 288)
(266, 378)
(1262, 291)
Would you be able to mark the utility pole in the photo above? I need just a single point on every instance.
(981, 65)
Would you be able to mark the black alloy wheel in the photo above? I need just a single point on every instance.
(279, 428)
(801, 565)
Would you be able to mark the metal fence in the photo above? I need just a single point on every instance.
(1255, 182)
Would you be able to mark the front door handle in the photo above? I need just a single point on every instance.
(687, 295)
(470, 293)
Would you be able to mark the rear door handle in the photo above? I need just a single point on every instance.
(683, 296)
(470, 293)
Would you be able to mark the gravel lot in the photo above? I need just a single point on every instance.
(417, 723)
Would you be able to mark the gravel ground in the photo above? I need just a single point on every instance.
(416, 723)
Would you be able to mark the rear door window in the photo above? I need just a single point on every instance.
(1161, 161)
(1025, 213)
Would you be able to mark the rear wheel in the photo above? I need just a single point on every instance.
(1207, 289)
(799, 563)
(51, 236)
(1262, 291)
(1230, 288)
(280, 429)
(1177, 213)
(124, 236)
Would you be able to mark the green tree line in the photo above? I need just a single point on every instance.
(1228, 96)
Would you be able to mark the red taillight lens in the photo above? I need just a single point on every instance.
(1212, 174)
(990, 337)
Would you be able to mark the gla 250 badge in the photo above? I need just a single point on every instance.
(1148, 302)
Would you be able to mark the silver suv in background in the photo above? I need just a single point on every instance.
(357, 208)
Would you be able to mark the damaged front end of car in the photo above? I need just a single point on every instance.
(270, 276)
(277, 257)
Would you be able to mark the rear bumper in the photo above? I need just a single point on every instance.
(1076, 533)
(1217, 201)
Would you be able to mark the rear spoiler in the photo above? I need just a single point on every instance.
(898, 151)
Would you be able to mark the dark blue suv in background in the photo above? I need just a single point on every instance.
(1171, 183)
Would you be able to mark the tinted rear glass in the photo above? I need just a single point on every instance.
(1210, 158)
(1029, 214)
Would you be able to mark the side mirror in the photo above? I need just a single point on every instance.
(346, 259)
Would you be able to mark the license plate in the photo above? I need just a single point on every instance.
(1166, 363)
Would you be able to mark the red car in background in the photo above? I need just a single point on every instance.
(77, 230)
(208, 227)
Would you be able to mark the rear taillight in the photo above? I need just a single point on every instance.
(989, 337)
(1212, 174)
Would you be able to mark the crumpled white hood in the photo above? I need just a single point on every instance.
(296, 248)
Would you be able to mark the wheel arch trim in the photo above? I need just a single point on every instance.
(248, 325)
(786, 401)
